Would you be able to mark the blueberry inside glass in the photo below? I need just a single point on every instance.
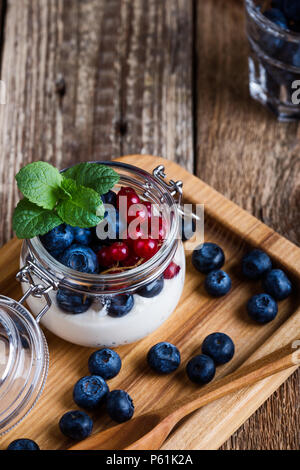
(273, 30)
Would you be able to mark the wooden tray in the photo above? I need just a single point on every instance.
(196, 316)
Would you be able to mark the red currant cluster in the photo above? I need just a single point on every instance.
(138, 244)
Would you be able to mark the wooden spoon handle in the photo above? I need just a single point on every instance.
(277, 361)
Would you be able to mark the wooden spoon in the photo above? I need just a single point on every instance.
(150, 430)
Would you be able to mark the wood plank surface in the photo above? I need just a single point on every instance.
(243, 152)
(90, 79)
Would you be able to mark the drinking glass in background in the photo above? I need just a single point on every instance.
(274, 57)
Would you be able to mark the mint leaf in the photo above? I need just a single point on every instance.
(30, 220)
(40, 182)
(83, 209)
(101, 178)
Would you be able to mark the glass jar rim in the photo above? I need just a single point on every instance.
(78, 281)
(256, 14)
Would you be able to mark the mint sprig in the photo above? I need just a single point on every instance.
(101, 178)
(83, 209)
(30, 220)
(39, 182)
(51, 197)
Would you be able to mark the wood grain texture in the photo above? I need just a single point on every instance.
(89, 80)
(243, 152)
(196, 315)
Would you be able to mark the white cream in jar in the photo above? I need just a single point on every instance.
(94, 328)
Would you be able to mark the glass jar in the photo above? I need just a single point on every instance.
(103, 298)
(23, 362)
(274, 62)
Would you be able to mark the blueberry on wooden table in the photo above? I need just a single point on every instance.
(219, 347)
(76, 425)
(201, 369)
(23, 444)
(90, 392)
(119, 406)
(72, 302)
(262, 308)
(58, 239)
(255, 264)
(120, 305)
(80, 258)
(83, 236)
(217, 283)
(152, 289)
(105, 362)
(164, 357)
(208, 257)
(277, 284)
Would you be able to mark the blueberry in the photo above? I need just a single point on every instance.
(163, 358)
(291, 9)
(188, 227)
(80, 258)
(72, 302)
(76, 424)
(23, 444)
(277, 284)
(58, 239)
(277, 4)
(219, 347)
(90, 392)
(152, 289)
(109, 198)
(208, 257)
(262, 308)
(119, 406)
(105, 362)
(276, 16)
(255, 264)
(201, 369)
(217, 283)
(83, 236)
(120, 305)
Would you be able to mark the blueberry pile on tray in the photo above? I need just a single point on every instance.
(119, 248)
(92, 393)
(256, 265)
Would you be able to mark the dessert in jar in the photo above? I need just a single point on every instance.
(113, 289)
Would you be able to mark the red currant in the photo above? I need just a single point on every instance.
(132, 260)
(137, 211)
(130, 195)
(134, 234)
(104, 257)
(119, 251)
(158, 228)
(172, 270)
(145, 248)
(148, 206)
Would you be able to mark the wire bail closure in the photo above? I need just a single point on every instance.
(174, 187)
(37, 290)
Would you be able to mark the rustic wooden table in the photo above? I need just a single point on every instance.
(95, 79)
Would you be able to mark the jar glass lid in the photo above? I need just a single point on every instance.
(24, 361)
